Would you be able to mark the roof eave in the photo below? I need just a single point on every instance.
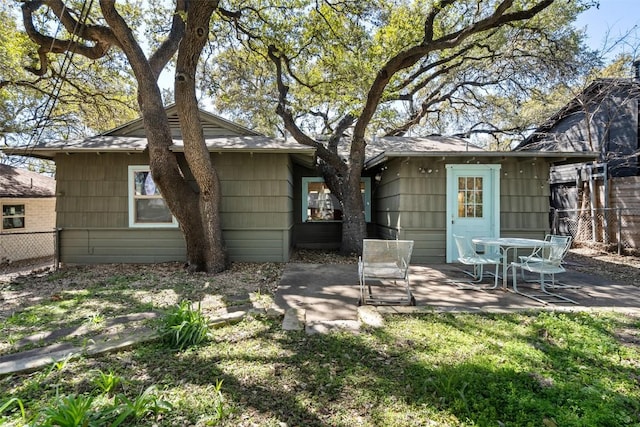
(577, 157)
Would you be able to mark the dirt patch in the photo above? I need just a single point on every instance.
(620, 268)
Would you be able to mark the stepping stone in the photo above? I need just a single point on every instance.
(370, 316)
(328, 326)
(294, 319)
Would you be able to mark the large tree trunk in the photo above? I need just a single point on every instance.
(345, 185)
(197, 212)
(354, 226)
(196, 152)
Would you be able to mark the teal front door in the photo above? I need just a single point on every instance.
(473, 203)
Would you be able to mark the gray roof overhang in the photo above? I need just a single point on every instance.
(119, 144)
(555, 157)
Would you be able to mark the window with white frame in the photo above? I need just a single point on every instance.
(146, 205)
(12, 217)
(318, 204)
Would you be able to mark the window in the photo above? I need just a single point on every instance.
(470, 197)
(146, 206)
(12, 216)
(318, 204)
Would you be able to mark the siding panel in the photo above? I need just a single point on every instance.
(411, 202)
(256, 210)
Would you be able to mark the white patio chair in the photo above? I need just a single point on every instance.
(467, 255)
(563, 242)
(385, 262)
(545, 261)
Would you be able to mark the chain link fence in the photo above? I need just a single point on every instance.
(27, 248)
(614, 229)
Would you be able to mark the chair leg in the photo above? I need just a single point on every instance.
(554, 295)
(478, 271)
(515, 286)
(545, 292)
(495, 284)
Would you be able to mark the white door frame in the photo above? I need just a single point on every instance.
(491, 201)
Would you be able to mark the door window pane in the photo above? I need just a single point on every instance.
(470, 197)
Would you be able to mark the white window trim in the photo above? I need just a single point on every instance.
(305, 202)
(131, 197)
(23, 216)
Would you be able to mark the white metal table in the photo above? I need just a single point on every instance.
(506, 244)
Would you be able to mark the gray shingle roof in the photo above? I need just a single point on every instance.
(15, 182)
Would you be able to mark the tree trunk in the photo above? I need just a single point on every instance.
(354, 226)
(196, 211)
(210, 244)
(345, 185)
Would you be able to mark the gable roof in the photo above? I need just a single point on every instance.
(224, 136)
(16, 182)
(220, 135)
(212, 125)
(593, 93)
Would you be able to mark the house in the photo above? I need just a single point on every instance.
(273, 199)
(27, 200)
(429, 189)
(592, 199)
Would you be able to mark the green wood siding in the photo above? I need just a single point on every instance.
(92, 210)
(410, 202)
(121, 245)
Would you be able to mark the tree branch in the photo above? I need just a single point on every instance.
(101, 36)
(169, 46)
(412, 55)
(289, 121)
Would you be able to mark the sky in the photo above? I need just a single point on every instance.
(614, 18)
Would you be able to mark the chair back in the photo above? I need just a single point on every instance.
(557, 250)
(375, 251)
(465, 248)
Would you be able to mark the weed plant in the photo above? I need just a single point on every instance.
(107, 382)
(184, 326)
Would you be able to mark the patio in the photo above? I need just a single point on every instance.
(330, 292)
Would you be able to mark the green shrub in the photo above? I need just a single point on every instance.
(184, 327)
(146, 403)
(72, 411)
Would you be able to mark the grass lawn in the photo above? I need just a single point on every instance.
(533, 369)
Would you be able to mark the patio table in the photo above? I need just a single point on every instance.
(506, 244)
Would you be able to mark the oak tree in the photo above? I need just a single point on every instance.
(339, 73)
(96, 33)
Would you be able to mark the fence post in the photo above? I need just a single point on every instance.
(619, 231)
(56, 249)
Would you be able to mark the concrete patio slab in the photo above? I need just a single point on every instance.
(329, 293)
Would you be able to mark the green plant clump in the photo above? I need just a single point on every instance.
(184, 327)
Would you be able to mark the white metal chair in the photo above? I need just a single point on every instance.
(545, 261)
(467, 255)
(537, 256)
(385, 261)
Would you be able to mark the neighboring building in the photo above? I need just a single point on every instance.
(28, 201)
(603, 118)
(273, 200)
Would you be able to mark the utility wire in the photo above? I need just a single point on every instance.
(59, 78)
